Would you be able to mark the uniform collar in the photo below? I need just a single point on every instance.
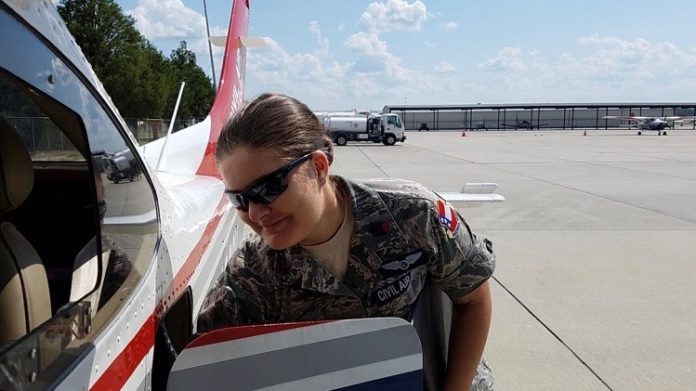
(375, 233)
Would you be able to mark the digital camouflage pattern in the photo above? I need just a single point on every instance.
(399, 240)
(403, 234)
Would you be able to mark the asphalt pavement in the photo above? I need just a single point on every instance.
(596, 244)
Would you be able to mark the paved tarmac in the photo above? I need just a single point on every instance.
(595, 286)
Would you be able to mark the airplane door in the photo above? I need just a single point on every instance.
(353, 354)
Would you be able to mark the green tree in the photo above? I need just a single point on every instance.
(198, 93)
(114, 48)
(141, 81)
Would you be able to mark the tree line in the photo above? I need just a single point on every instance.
(141, 80)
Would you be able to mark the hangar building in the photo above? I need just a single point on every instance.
(534, 115)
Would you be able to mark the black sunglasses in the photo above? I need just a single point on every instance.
(267, 188)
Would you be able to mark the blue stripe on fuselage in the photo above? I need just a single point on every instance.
(403, 381)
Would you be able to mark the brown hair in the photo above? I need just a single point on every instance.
(277, 122)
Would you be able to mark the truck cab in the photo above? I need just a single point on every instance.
(393, 129)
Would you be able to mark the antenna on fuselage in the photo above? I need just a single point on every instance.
(171, 126)
(210, 45)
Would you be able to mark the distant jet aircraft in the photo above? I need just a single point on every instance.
(658, 124)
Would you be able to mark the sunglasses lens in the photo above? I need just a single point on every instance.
(238, 201)
(267, 189)
(270, 189)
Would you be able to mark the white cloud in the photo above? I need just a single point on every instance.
(375, 74)
(167, 19)
(614, 70)
(367, 44)
(304, 75)
(379, 72)
(394, 15)
(449, 26)
(630, 58)
(322, 41)
(445, 67)
(366, 85)
(508, 60)
(394, 70)
(341, 26)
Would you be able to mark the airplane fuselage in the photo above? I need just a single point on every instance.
(653, 124)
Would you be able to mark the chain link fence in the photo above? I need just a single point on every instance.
(40, 134)
(146, 130)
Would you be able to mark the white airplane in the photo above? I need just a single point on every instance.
(658, 124)
(107, 247)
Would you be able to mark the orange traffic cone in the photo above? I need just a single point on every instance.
(464, 133)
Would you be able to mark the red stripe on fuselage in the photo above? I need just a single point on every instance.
(239, 332)
(183, 276)
(123, 366)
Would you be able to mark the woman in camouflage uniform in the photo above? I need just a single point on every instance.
(332, 248)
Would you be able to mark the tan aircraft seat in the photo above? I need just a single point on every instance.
(25, 301)
(89, 272)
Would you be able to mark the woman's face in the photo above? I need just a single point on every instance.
(292, 217)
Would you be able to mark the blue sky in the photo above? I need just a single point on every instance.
(366, 54)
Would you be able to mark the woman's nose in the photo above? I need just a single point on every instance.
(257, 211)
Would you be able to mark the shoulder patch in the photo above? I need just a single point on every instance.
(448, 216)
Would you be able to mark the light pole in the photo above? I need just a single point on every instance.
(405, 97)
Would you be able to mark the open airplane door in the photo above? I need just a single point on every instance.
(353, 354)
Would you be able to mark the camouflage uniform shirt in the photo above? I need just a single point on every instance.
(403, 234)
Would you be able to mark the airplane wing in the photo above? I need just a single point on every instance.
(473, 194)
(302, 356)
(626, 118)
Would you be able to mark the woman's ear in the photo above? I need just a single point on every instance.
(321, 164)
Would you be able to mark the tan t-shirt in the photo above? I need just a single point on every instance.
(333, 254)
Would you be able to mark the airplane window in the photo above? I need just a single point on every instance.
(39, 134)
(90, 215)
(56, 219)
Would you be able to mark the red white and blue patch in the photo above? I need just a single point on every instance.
(448, 216)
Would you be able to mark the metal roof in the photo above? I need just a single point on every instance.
(480, 106)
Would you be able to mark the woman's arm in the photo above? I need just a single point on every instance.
(471, 319)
